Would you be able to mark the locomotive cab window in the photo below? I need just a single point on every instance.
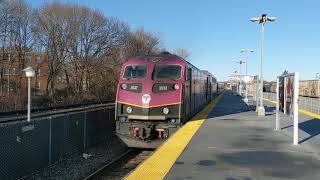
(172, 72)
(135, 71)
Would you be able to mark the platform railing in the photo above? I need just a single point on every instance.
(310, 104)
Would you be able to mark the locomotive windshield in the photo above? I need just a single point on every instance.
(172, 72)
(135, 71)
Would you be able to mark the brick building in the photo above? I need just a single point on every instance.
(12, 79)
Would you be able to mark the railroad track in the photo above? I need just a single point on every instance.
(121, 166)
(21, 115)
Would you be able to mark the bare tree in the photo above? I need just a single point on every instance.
(50, 31)
(92, 36)
(84, 49)
(141, 42)
(184, 53)
(15, 41)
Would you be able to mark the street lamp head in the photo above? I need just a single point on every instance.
(246, 50)
(263, 19)
(29, 72)
(255, 19)
(271, 19)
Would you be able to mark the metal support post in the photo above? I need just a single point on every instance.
(261, 110)
(257, 92)
(295, 110)
(29, 98)
(277, 107)
(246, 98)
(240, 78)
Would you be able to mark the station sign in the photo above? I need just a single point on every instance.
(287, 100)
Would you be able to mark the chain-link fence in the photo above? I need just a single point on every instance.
(28, 146)
(307, 103)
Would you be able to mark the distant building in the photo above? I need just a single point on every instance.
(234, 80)
(12, 79)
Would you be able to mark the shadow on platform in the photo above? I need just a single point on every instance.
(229, 104)
(311, 127)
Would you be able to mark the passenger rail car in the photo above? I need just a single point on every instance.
(156, 95)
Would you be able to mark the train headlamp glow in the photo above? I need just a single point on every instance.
(172, 121)
(165, 110)
(176, 86)
(129, 109)
(122, 119)
(124, 86)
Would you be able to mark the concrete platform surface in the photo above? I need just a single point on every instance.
(234, 143)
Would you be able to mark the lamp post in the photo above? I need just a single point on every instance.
(240, 78)
(247, 51)
(262, 21)
(237, 80)
(30, 73)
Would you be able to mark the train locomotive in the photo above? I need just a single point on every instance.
(156, 95)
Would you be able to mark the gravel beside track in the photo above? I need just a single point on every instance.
(122, 166)
(77, 167)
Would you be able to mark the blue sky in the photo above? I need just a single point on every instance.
(215, 31)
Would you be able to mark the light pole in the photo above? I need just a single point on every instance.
(247, 51)
(262, 21)
(240, 85)
(237, 83)
(29, 74)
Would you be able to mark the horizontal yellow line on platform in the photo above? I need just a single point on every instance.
(161, 161)
(300, 110)
(275, 102)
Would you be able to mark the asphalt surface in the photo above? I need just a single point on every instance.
(235, 144)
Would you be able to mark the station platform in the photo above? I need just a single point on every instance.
(228, 141)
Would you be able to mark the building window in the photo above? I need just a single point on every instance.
(6, 71)
(13, 71)
(38, 85)
(26, 58)
(38, 71)
(37, 89)
(37, 59)
(7, 57)
(9, 71)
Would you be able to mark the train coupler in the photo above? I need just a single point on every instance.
(143, 133)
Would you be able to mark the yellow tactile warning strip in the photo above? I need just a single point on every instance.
(310, 113)
(161, 161)
(300, 110)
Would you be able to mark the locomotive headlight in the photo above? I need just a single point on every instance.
(124, 86)
(165, 110)
(122, 119)
(176, 86)
(129, 109)
(172, 121)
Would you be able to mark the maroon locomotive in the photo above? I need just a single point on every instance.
(156, 95)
